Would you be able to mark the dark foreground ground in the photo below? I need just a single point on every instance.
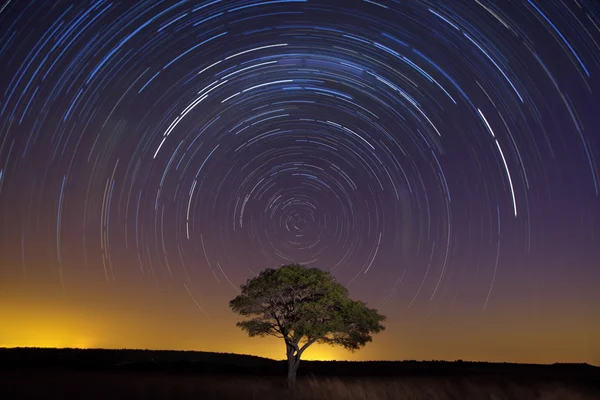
(134, 374)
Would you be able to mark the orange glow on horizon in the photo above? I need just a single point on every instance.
(173, 322)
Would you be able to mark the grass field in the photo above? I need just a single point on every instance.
(149, 385)
(65, 374)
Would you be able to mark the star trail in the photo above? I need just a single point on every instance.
(439, 157)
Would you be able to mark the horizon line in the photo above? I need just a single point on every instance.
(276, 360)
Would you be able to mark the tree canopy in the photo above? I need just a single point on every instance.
(303, 306)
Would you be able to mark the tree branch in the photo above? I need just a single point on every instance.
(292, 343)
(305, 346)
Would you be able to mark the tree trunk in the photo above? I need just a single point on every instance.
(293, 363)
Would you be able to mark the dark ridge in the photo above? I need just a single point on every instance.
(197, 362)
(132, 360)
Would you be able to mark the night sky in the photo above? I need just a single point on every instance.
(441, 158)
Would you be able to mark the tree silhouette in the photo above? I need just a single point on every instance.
(304, 306)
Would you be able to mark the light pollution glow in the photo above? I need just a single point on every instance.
(171, 321)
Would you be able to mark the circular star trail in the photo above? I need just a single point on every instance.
(417, 149)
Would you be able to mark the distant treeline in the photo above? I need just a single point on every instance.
(226, 363)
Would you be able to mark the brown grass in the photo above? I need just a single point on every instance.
(130, 385)
(438, 389)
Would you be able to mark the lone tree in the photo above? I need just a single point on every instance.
(304, 306)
